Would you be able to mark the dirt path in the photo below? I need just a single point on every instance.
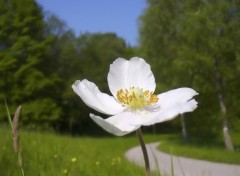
(182, 166)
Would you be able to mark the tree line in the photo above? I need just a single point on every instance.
(191, 43)
(41, 57)
(196, 44)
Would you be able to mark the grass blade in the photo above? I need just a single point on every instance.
(8, 114)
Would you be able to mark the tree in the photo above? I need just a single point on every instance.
(217, 22)
(159, 42)
(201, 47)
(22, 62)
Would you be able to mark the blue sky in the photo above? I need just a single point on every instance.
(118, 16)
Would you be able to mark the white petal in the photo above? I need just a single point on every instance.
(150, 118)
(175, 97)
(171, 104)
(95, 99)
(120, 124)
(124, 74)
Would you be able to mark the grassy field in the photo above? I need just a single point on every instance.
(47, 154)
(212, 151)
(52, 155)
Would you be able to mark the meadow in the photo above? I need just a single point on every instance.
(48, 154)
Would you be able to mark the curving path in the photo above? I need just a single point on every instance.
(182, 166)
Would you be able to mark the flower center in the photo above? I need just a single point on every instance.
(136, 98)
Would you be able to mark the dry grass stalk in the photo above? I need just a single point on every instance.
(16, 138)
(15, 132)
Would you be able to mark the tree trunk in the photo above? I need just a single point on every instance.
(184, 128)
(219, 87)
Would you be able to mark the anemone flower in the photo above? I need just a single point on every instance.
(133, 103)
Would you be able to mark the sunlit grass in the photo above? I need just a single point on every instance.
(48, 154)
(211, 152)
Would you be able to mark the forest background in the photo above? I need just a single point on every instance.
(191, 43)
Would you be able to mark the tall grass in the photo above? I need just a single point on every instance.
(51, 155)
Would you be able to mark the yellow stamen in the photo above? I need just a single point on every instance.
(136, 98)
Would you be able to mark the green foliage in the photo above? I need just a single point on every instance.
(183, 40)
(22, 59)
(40, 60)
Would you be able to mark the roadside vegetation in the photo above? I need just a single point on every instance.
(211, 149)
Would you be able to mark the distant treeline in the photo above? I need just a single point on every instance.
(190, 43)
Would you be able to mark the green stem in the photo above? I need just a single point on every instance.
(144, 150)
(22, 171)
(20, 162)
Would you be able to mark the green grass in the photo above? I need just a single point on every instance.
(47, 154)
(212, 151)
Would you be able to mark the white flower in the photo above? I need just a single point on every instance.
(133, 103)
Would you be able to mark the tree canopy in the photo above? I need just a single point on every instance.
(40, 58)
(191, 43)
(22, 56)
(195, 43)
